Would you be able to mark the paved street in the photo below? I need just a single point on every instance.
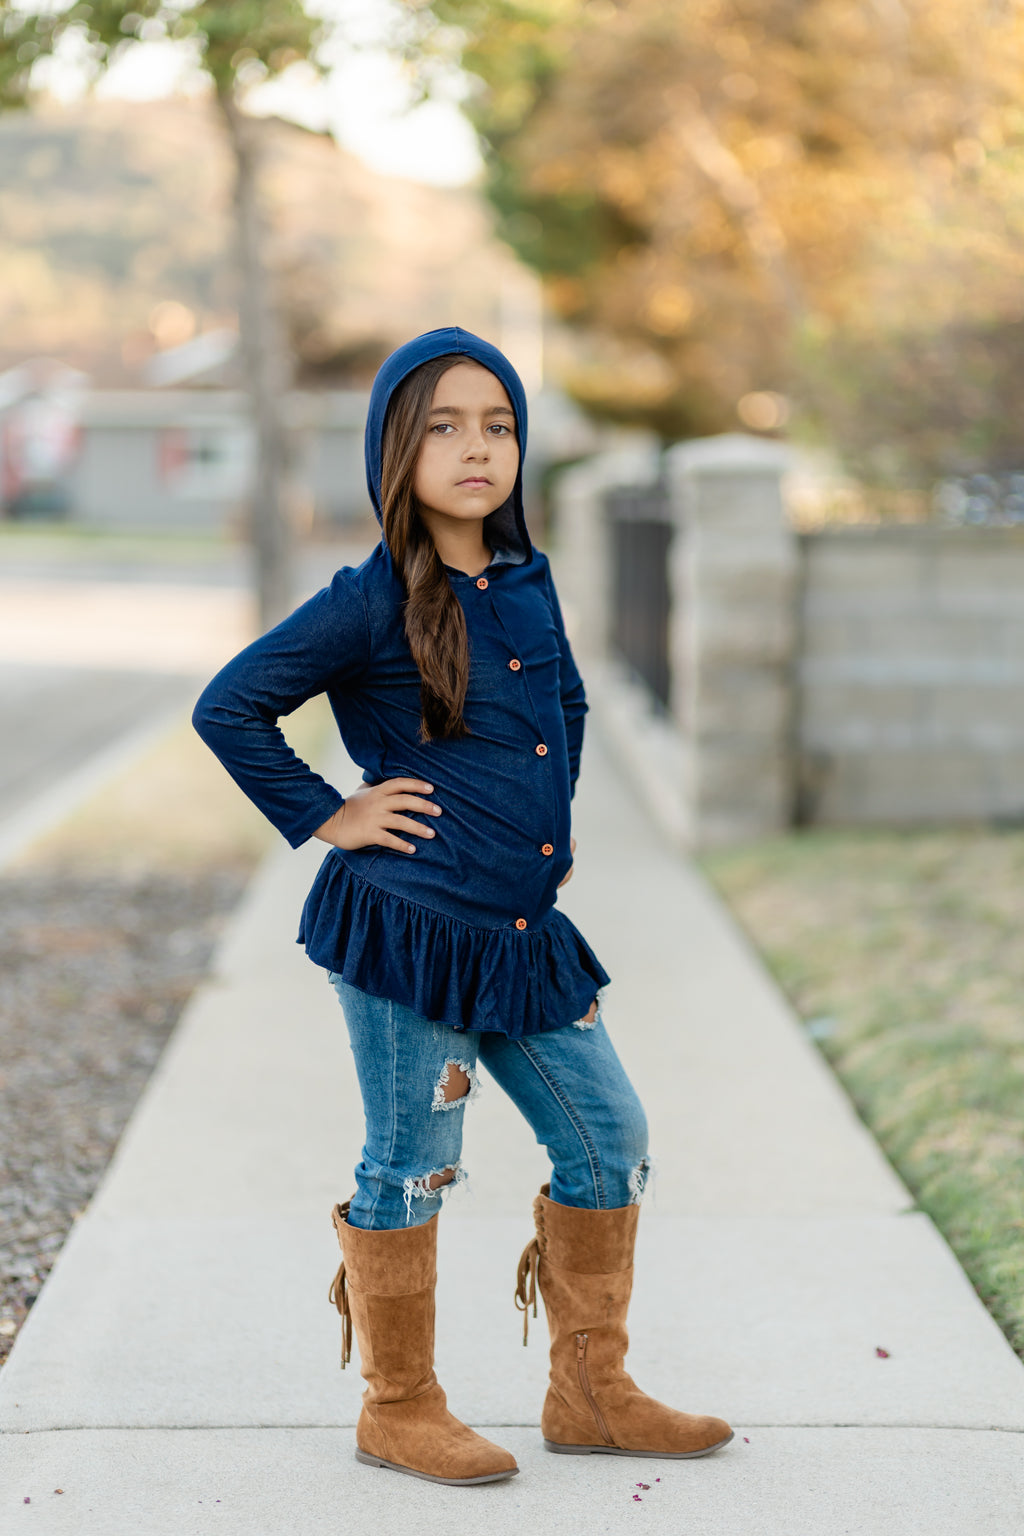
(96, 647)
(54, 719)
(179, 1372)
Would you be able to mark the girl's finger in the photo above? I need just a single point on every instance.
(405, 787)
(406, 824)
(386, 840)
(413, 803)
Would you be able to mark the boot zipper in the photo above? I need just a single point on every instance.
(581, 1371)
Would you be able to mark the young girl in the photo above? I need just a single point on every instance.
(447, 668)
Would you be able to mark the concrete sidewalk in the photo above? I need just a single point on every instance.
(179, 1373)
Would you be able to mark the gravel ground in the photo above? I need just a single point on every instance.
(94, 972)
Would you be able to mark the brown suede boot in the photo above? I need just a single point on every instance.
(584, 1263)
(385, 1291)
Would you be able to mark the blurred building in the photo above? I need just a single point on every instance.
(182, 459)
(163, 457)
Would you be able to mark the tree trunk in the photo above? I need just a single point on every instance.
(268, 377)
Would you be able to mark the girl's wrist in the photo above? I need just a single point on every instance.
(329, 830)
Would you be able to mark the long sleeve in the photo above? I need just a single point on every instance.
(574, 701)
(325, 642)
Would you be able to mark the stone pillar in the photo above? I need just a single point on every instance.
(733, 584)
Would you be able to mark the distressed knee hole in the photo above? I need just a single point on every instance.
(435, 1185)
(456, 1085)
(638, 1180)
(592, 1017)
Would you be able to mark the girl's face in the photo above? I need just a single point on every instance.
(469, 458)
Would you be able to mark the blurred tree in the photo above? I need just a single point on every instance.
(25, 37)
(733, 201)
(243, 42)
(239, 43)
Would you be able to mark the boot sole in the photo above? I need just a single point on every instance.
(616, 1450)
(428, 1477)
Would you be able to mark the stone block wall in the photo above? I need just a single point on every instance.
(857, 676)
(910, 675)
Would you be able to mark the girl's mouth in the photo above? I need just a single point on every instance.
(475, 480)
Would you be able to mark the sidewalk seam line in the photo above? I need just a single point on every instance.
(198, 1429)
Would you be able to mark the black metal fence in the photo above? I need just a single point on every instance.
(641, 532)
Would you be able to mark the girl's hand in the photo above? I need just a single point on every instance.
(568, 874)
(372, 813)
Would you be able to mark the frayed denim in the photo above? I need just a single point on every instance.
(418, 1078)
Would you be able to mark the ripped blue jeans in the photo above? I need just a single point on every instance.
(418, 1077)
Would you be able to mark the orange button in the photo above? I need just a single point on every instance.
(481, 582)
(541, 750)
(520, 923)
(546, 849)
(515, 665)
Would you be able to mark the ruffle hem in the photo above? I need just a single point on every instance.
(513, 983)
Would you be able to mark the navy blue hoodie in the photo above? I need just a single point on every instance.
(465, 930)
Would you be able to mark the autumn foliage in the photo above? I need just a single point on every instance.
(817, 203)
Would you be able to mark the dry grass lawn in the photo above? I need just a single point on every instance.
(903, 953)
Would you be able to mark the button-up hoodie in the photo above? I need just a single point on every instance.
(465, 930)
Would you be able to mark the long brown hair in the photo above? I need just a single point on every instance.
(435, 625)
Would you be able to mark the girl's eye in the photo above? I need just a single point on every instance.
(442, 428)
(499, 429)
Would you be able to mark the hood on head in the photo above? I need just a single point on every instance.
(505, 527)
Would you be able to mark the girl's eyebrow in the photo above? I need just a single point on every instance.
(455, 410)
